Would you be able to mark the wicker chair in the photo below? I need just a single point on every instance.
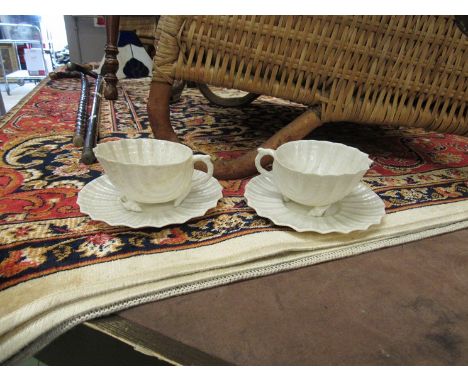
(145, 28)
(400, 70)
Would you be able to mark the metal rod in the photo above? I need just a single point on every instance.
(40, 39)
(2, 105)
(87, 157)
(82, 114)
(4, 73)
(16, 48)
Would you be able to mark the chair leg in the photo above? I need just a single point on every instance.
(111, 64)
(244, 166)
(159, 113)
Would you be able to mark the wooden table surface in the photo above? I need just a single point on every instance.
(404, 305)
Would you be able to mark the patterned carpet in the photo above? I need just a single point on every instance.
(43, 232)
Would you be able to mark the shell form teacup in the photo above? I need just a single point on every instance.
(150, 170)
(315, 173)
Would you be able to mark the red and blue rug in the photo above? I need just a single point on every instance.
(418, 174)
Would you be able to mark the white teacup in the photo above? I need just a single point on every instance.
(150, 170)
(315, 173)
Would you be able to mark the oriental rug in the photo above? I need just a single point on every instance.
(59, 268)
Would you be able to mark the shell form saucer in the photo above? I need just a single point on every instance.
(357, 211)
(101, 201)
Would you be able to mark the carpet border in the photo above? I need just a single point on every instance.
(4, 119)
(113, 307)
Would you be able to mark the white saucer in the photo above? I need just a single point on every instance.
(101, 201)
(357, 211)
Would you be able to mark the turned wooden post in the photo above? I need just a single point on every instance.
(82, 114)
(92, 130)
(111, 64)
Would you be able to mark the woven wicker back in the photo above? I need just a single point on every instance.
(143, 26)
(405, 70)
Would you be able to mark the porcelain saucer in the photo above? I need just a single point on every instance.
(101, 201)
(357, 211)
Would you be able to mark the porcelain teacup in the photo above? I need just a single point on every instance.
(150, 170)
(315, 173)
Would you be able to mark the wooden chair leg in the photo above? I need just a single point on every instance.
(244, 166)
(159, 113)
(111, 64)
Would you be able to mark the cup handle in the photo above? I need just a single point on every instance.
(261, 153)
(207, 160)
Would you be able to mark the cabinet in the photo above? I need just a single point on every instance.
(9, 57)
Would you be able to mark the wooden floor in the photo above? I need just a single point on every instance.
(402, 305)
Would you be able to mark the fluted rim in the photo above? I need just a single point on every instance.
(284, 148)
(99, 199)
(358, 211)
(105, 151)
